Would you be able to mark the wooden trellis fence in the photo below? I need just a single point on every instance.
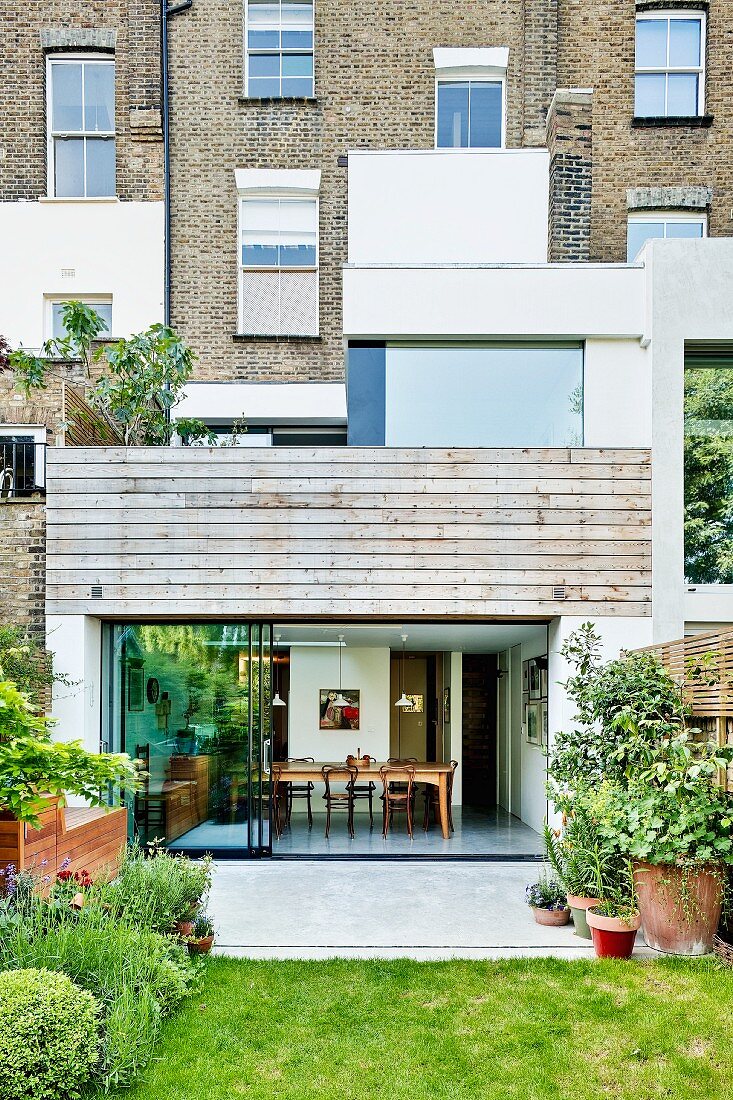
(703, 665)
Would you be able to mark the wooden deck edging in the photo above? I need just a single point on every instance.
(90, 838)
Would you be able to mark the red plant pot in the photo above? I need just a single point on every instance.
(613, 938)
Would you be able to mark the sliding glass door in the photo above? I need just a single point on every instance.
(191, 703)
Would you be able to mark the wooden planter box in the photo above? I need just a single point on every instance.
(91, 838)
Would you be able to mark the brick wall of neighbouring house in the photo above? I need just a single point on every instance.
(23, 564)
(570, 142)
(23, 90)
(597, 51)
(375, 88)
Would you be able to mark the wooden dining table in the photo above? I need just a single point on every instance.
(302, 771)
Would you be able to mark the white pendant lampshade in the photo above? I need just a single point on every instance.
(403, 701)
(277, 701)
(339, 701)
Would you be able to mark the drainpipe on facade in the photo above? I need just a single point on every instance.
(165, 14)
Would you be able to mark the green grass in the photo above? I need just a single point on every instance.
(535, 1029)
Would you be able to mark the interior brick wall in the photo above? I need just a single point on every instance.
(23, 92)
(596, 50)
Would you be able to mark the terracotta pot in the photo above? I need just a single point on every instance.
(613, 938)
(202, 946)
(553, 918)
(184, 928)
(680, 906)
(578, 907)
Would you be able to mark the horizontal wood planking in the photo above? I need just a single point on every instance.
(362, 530)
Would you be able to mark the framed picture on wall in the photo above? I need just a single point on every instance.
(543, 722)
(532, 723)
(525, 676)
(543, 681)
(446, 705)
(338, 717)
(535, 684)
(135, 686)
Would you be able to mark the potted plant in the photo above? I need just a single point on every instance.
(569, 853)
(201, 939)
(546, 899)
(613, 926)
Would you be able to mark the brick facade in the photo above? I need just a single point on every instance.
(597, 51)
(374, 88)
(23, 564)
(80, 25)
(570, 142)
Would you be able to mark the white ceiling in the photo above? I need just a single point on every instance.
(437, 637)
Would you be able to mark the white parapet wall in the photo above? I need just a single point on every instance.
(432, 206)
(64, 249)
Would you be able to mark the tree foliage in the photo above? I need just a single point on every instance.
(708, 462)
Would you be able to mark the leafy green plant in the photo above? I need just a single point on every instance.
(27, 663)
(203, 926)
(140, 384)
(33, 765)
(49, 1040)
(154, 889)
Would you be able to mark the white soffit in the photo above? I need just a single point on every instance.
(486, 60)
(294, 181)
(265, 402)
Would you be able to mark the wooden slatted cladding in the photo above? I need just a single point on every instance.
(467, 533)
(703, 665)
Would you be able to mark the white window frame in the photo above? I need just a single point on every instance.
(51, 300)
(667, 217)
(38, 434)
(248, 51)
(666, 15)
(481, 65)
(51, 134)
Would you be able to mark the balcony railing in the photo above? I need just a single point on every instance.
(22, 468)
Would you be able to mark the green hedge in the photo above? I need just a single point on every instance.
(49, 1038)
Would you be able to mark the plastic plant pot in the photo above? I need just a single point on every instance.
(613, 938)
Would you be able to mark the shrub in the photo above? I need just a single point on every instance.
(49, 1042)
(137, 975)
(155, 889)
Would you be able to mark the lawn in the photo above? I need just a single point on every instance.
(457, 1030)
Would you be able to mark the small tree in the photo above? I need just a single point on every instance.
(25, 661)
(144, 375)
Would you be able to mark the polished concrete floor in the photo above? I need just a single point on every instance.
(382, 909)
(477, 833)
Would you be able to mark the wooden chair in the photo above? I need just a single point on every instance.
(149, 811)
(277, 788)
(399, 793)
(432, 800)
(339, 800)
(298, 790)
(366, 790)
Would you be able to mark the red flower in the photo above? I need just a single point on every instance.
(350, 713)
(65, 875)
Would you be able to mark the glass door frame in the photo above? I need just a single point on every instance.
(257, 757)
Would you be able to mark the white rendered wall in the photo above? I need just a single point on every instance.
(448, 206)
(114, 249)
(75, 641)
(567, 301)
(617, 393)
(316, 667)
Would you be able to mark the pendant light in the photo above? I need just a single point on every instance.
(403, 701)
(339, 701)
(277, 701)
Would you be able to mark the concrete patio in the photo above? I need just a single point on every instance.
(367, 909)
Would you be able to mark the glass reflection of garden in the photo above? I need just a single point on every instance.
(191, 703)
(709, 472)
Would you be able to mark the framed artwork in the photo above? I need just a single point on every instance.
(446, 705)
(535, 685)
(152, 690)
(532, 723)
(135, 686)
(416, 705)
(543, 681)
(543, 722)
(525, 676)
(331, 717)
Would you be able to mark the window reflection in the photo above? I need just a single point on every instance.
(709, 471)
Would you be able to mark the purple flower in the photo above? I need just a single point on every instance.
(65, 864)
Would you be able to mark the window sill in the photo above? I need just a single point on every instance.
(690, 122)
(253, 337)
(266, 100)
(78, 198)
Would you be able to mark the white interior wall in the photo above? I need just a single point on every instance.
(456, 723)
(533, 801)
(313, 668)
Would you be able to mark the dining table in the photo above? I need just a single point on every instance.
(426, 771)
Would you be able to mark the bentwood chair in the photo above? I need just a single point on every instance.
(278, 799)
(339, 800)
(298, 790)
(149, 811)
(432, 800)
(398, 795)
(366, 790)
(402, 762)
